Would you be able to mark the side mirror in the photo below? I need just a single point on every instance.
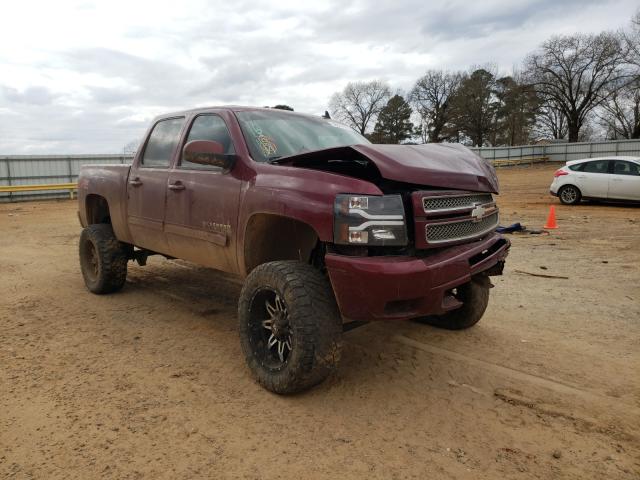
(207, 152)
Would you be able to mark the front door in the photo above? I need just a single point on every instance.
(202, 203)
(624, 181)
(147, 186)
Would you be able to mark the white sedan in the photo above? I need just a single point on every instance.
(608, 178)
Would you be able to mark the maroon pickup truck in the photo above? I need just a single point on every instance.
(328, 230)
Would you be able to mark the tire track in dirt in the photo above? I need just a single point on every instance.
(549, 383)
(622, 409)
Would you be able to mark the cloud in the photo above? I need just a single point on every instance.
(37, 95)
(90, 75)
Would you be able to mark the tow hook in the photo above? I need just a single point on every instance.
(495, 270)
(483, 280)
(141, 256)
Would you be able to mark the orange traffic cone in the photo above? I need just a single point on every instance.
(551, 219)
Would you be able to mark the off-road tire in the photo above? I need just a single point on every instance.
(314, 321)
(474, 296)
(103, 259)
(569, 195)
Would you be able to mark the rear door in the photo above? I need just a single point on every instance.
(147, 187)
(202, 202)
(593, 178)
(624, 181)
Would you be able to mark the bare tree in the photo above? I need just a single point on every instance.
(131, 147)
(632, 41)
(620, 114)
(575, 73)
(360, 103)
(551, 122)
(431, 98)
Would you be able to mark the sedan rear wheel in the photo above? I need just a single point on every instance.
(570, 195)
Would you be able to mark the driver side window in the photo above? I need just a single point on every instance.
(212, 128)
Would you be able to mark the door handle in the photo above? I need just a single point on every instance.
(176, 186)
(135, 182)
(582, 176)
(616, 179)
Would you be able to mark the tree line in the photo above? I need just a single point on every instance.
(573, 88)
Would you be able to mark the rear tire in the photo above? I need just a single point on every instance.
(569, 195)
(474, 297)
(103, 259)
(289, 325)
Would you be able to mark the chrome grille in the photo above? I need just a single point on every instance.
(435, 204)
(461, 230)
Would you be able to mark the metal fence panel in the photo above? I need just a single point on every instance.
(47, 169)
(629, 148)
(4, 172)
(562, 152)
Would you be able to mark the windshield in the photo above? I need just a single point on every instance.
(272, 134)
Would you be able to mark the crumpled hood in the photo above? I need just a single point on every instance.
(443, 165)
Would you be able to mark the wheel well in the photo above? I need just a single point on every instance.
(97, 209)
(569, 185)
(272, 237)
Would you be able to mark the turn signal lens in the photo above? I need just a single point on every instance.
(358, 237)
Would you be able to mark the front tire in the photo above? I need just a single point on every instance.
(474, 296)
(570, 195)
(289, 325)
(103, 259)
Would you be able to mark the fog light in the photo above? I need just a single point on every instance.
(383, 234)
(358, 237)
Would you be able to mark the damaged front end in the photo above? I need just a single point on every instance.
(401, 254)
(448, 166)
(435, 195)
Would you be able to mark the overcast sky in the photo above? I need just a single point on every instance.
(87, 77)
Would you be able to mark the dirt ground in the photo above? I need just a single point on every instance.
(150, 382)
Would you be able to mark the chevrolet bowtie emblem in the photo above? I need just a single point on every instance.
(478, 212)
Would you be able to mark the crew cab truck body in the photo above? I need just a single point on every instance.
(327, 229)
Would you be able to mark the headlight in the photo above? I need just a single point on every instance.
(369, 220)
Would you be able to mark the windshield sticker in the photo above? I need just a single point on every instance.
(267, 145)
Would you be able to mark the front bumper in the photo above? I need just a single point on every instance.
(395, 287)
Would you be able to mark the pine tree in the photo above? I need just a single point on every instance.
(393, 125)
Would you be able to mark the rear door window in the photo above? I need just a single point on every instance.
(621, 167)
(162, 143)
(597, 166)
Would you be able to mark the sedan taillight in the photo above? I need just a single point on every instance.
(560, 172)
